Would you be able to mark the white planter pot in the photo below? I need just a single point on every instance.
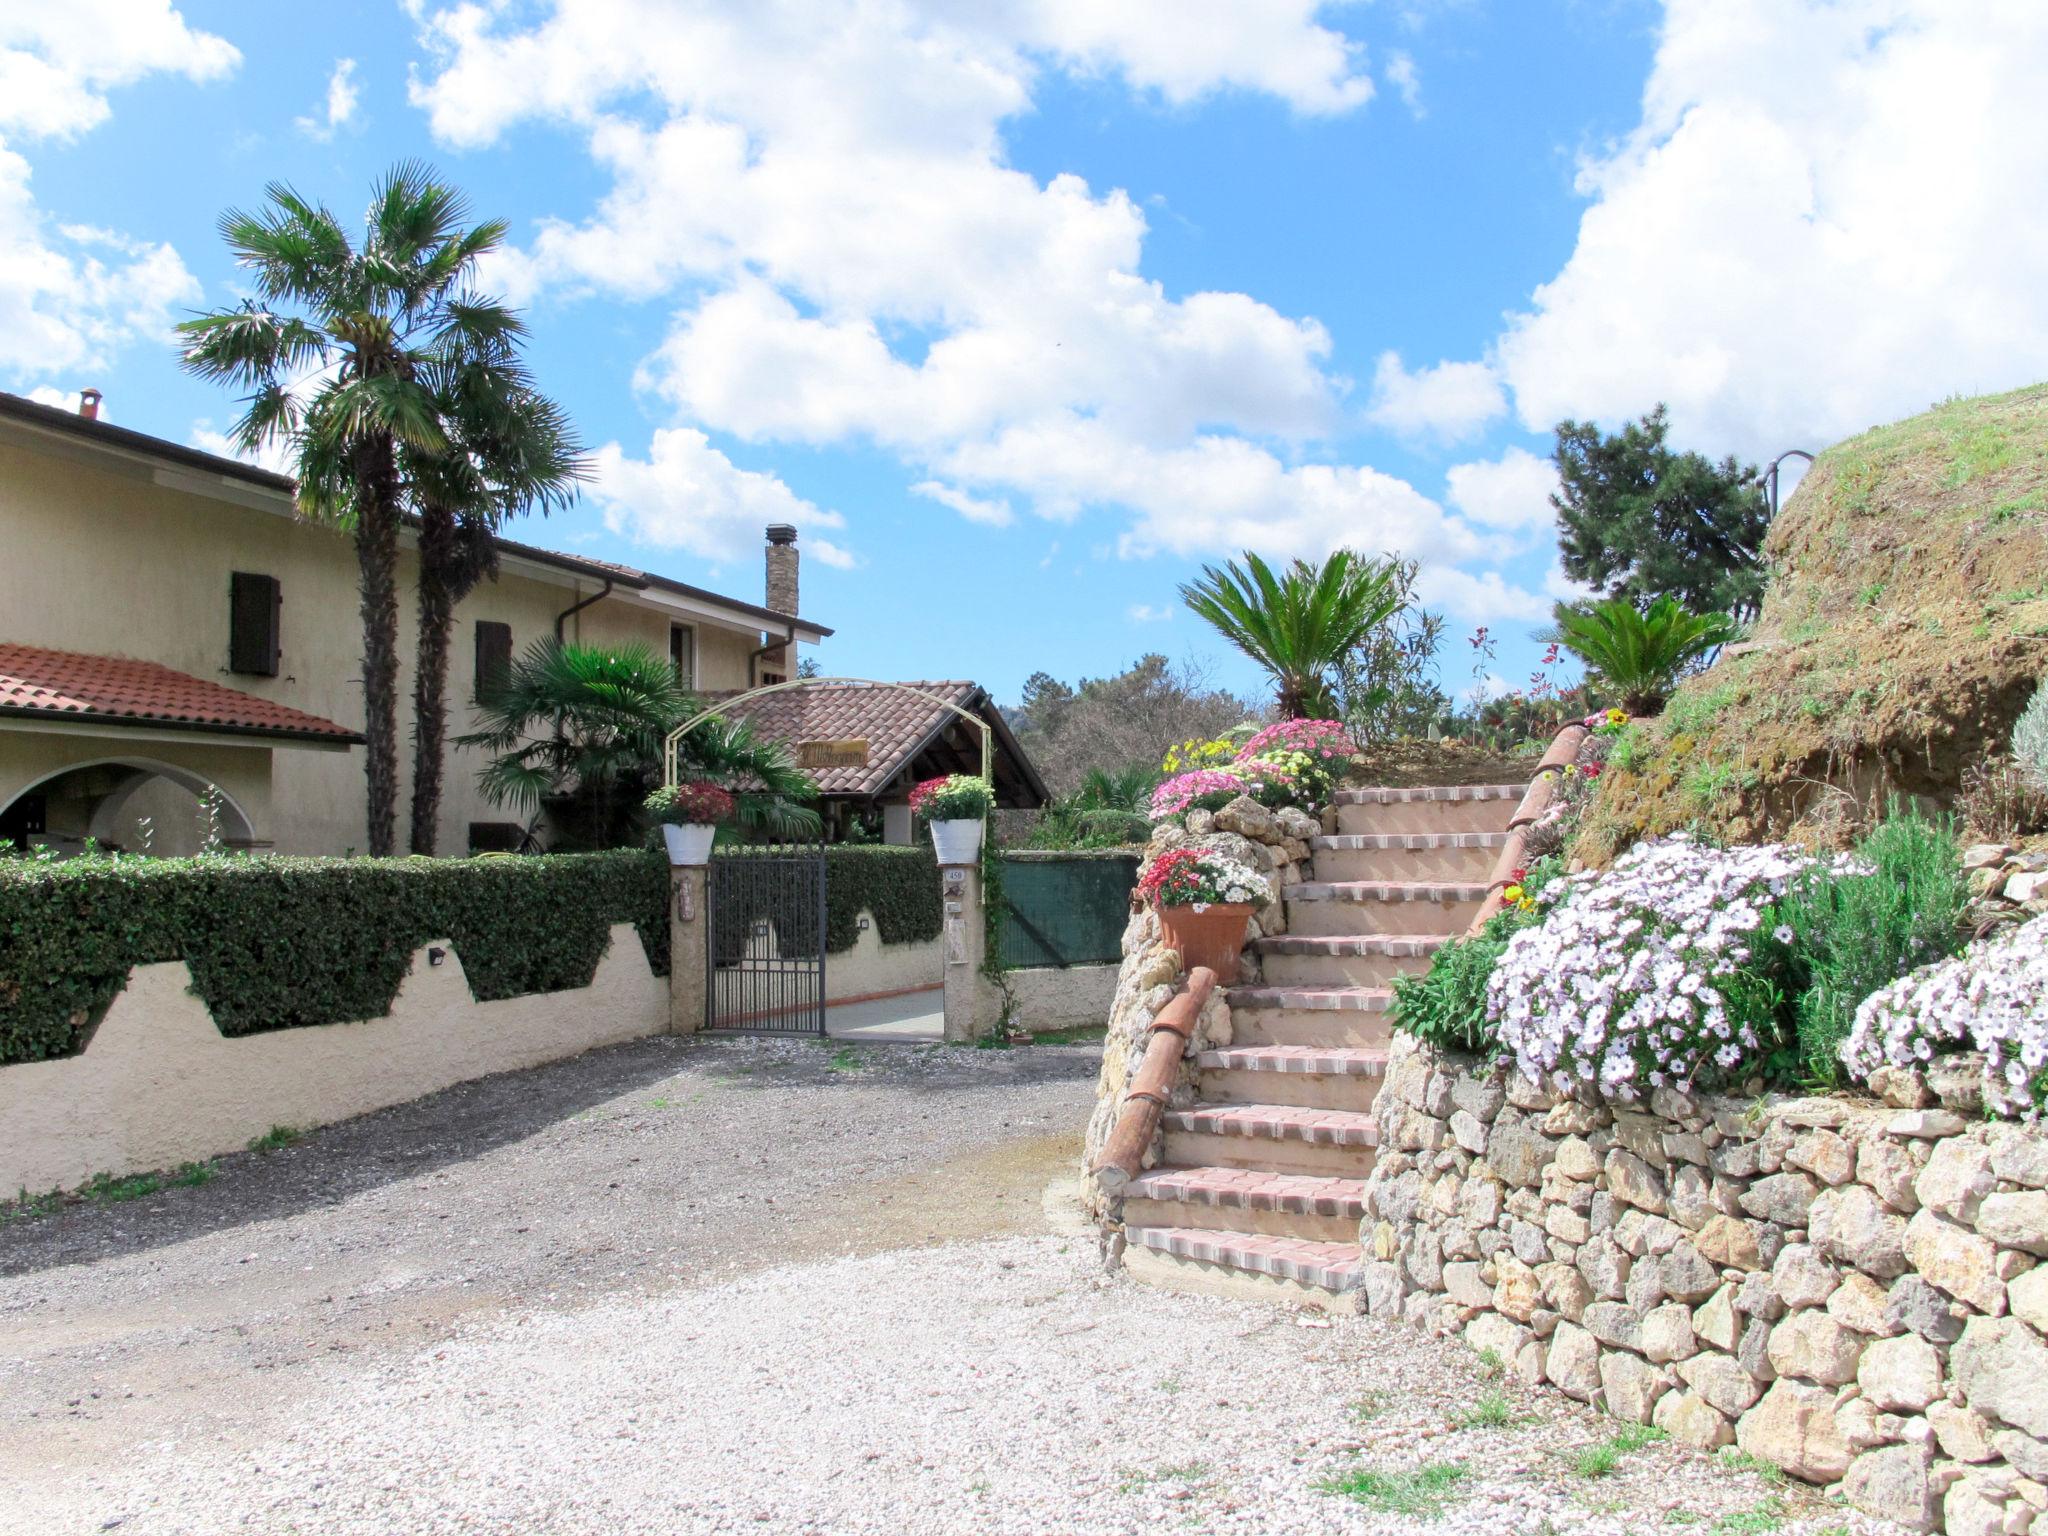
(958, 842)
(688, 844)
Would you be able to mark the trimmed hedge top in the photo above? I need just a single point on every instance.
(281, 943)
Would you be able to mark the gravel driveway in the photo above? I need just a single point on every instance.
(738, 1285)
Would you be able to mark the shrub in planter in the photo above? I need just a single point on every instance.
(1205, 899)
(1992, 998)
(954, 797)
(1313, 754)
(689, 816)
(1669, 968)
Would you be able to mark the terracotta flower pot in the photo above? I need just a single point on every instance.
(1211, 935)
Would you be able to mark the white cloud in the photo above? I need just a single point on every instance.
(687, 495)
(69, 294)
(1819, 224)
(1449, 401)
(342, 96)
(976, 509)
(1148, 613)
(59, 58)
(1511, 492)
(274, 455)
(1406, 79)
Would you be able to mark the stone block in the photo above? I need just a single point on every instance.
(1640, 1134)
(1572, 1363)
(1781, 1197)
(1914, 1304)
(1973, 1506)
(1690, 1418)
(1463, 1285)
(1853, 1226)
(1793, 1428)
(1721, 1381)
(1526, 1238)
(1631, 1180)
(2024, 1451)
(2016, 1220)
(1468, 1131)
(1384, 1288)
(1480, 1097)
(1645, 1288)
(1605, 1267)
(1825, 1155)
(1754, 1297)
(1893, 1484)
(1963, 1433)
(1667, 1334)
(1686, 1275)
(1926, 1124)
(1886, 1167)
(1957, 1177)
(1572, 1118)
(1565, 1290)
(1690, 1197)
(2020, 1155)
(1613, 1323)
(1629, 1387)
(2001, 1367)
(1814, 1347)
(1566, 1225)
(1716, 1323)
(1956, 1260)
(2028, 1298)
(1517, 1150)
(1754, 1351)
(1491, 1331)
(1862, 1304)
(1802, 1278)
(1479, 1202)
(1516, 1292)
(1576, 1159)
(1901, 1375)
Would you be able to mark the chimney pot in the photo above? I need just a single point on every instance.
(781, 533)
(89, 404)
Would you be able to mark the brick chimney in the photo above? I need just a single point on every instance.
(782, 559)
(89, 404)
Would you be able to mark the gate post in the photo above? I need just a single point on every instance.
(970, 1000)
(688, 949)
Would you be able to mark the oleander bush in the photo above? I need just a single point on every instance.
(282, 943)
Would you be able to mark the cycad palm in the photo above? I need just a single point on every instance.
(1298, 623)
(1639, 655)
(339, 347)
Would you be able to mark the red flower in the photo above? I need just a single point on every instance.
(1518, 875)
(1590, 771)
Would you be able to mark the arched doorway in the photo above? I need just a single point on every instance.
(126, 805)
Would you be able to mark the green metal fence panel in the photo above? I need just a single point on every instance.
(1064, 909)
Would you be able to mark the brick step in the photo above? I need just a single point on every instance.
(1247, 1200)
(1310, 1075)
(1407, 855)
(1329, 961)
(1319, 1016)
(1246, 1266)
(1347, 908)
(1272, 1138)
(1447, 808)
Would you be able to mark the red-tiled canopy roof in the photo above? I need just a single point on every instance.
(899, 728)
(112, 690)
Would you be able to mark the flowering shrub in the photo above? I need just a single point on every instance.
(1186, 756)
(1313, 754)
(1446, 1006)
(697, 803)
(1190, 877)
(1991, 998)
(1665, 969)
(954, 797)
(1200, 789)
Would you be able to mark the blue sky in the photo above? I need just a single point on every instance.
(1024, 311)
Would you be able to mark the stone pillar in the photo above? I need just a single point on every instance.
(899, 829)
(688, 950)
(970, 999)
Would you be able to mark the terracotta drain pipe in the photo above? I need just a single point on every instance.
(1137, 1122)
(1564, 751)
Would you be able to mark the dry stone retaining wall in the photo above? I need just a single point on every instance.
(1852, 1291)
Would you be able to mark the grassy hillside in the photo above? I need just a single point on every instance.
(1905, 626)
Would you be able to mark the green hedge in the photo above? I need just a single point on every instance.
(277, 943)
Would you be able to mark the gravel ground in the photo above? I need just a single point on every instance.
(720, 1286)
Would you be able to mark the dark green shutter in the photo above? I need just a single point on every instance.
(255, 619)
(493, 657)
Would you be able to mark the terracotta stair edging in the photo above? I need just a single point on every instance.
(1144, 1105)
(1564, 750)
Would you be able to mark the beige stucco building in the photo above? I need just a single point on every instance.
(167, 625)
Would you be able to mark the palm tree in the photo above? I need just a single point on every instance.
(340, 345)
(510, 450)
(592, 723)
(1301, 623)
(1639, 655)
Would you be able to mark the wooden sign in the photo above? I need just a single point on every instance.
(832, 754)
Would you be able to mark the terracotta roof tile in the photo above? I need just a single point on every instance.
(893, 723)
(114, 689)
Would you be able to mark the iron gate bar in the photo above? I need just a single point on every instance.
(765, 936)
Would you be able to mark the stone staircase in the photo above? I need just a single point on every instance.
(1262, 1186)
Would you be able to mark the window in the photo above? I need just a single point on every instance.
(255, 610)
(493, 657)
(682, 652)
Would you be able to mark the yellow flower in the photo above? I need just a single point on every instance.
(1513, 893)
(1617, 717)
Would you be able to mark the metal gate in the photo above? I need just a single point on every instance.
(766, 932)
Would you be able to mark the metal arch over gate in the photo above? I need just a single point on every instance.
(764, 928)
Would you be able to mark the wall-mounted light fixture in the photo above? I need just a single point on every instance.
(436, 956)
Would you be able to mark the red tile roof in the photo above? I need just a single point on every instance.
(897, 727)
(114, 690)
